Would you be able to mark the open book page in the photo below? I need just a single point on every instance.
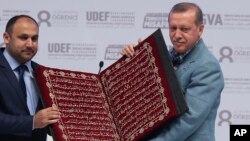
(80, 99)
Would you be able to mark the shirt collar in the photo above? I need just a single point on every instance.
(13, 63)
(177, 58)
(174, 53)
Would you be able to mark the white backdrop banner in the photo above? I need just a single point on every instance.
(77, 35)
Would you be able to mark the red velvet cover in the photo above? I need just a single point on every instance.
(128, 100)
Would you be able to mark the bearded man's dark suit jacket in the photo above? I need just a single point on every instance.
(15, 119)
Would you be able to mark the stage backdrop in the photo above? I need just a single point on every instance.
(77, 34)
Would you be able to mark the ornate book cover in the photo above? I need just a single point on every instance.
(125, 102)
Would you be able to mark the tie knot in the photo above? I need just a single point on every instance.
(176, 58)
(21, 69)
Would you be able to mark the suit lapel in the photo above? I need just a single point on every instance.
(190, 58)
(12, 80)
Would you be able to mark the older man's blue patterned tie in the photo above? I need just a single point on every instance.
(176, 58)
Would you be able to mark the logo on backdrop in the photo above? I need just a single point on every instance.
(212, 20)
(58, 18)
(237, 85)
(228, 117)
(6, 14)
(110, 19)
(155, 20)
(72, 51)
(240, 54)
(225, 116)
(44, 18)
(235, 21)
(226, 53)
(113, 52)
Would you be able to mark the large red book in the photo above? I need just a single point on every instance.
(125, 102)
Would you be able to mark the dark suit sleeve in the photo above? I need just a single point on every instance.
(16, 124)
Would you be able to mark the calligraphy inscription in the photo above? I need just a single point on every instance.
(80, 99)
(135, 93)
